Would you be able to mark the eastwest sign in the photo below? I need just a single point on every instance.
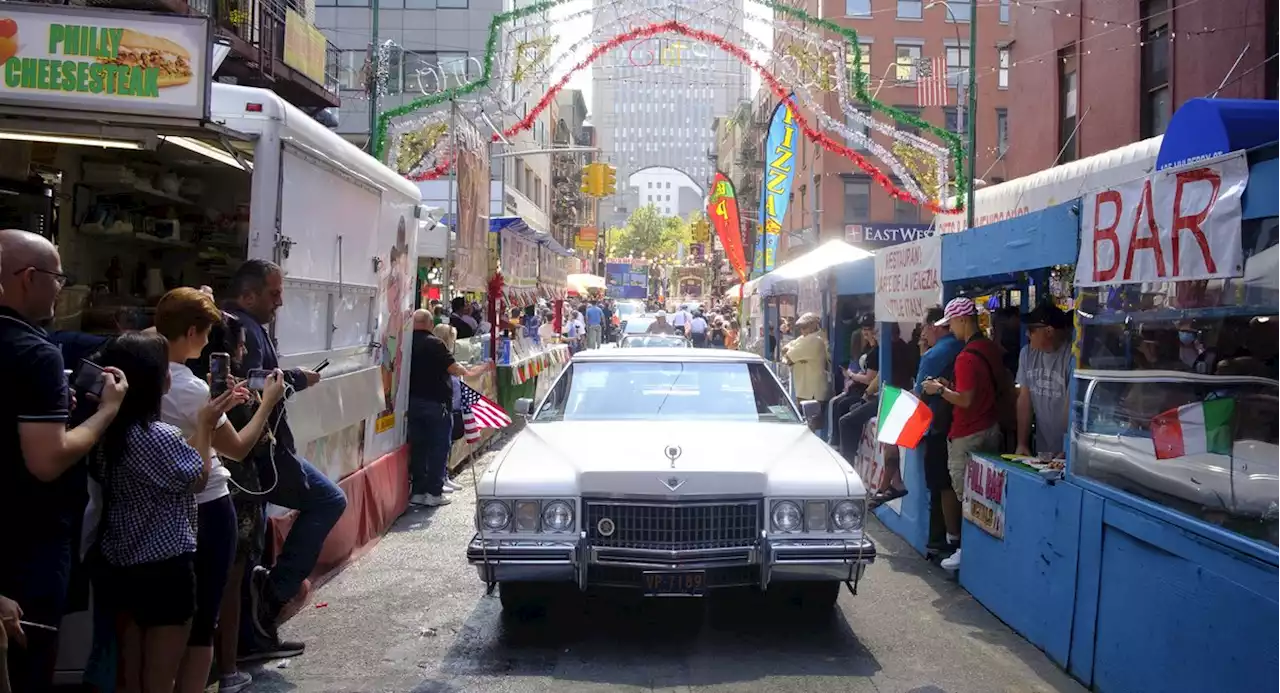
(873, 236)
(82, 59)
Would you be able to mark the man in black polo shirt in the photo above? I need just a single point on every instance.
(431, 366)
(41, 483)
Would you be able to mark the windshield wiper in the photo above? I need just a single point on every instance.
(670, 387)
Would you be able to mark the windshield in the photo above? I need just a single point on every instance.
(654, 341)
(667, 391)
(626, 309)
(638, 325)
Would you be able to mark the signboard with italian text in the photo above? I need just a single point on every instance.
(1173, 225)
(984, 489)
(83, 59)
(908, 280)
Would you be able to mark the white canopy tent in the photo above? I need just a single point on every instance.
(831, 254)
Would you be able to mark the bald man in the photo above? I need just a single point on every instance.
(431, 411)
(41, 482)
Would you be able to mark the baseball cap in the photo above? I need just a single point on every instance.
(957, 308)
(1046, 314)
(867, 320)
(933, 315)
(660, 314)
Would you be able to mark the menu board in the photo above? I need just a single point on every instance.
(519, 261)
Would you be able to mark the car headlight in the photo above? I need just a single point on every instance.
(557, 516)
(494, 515)
(847, 515)
(815, 516)
(786, 516)
(526, 515)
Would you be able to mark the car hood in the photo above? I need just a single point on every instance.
(629, 458)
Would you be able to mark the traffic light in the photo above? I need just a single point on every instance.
(609, 180)
(592, 180)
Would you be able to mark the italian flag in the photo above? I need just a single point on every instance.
(1194, 429)
(904, 419)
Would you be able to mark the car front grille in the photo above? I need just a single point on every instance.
(673, 526)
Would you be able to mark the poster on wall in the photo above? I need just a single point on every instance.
(779, 174)
(396, 290)
(1173, 225)
(909, 280)
(984, 488)
(471, 262)
(626, 280)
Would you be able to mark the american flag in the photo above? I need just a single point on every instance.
(480, 412)
(931, 81)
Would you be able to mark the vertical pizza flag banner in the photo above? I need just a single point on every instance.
(779, 173)
(722, 210)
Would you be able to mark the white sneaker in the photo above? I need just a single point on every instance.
(450, 483)
(952, 562)
(419, 499)
(445, 488)
(434, 501)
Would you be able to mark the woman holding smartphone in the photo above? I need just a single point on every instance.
(186, 317)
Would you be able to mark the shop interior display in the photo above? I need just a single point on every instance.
(132, 224)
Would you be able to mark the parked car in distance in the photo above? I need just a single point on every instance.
(721, 485)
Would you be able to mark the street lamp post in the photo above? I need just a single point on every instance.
(970, 108)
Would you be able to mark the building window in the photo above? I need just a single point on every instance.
(904, 126)
(1156, 106)
(857, 127)
(857, 8)
(864, 64)
(1004, 11)
(957, 64)
(417, 75)
(1068, 103)
(1004, 68)
(420, 4)
(905, 212)
(857, 201)
(453, 66)
(951, 116)
(906, 62)
(1002, 131)
(649, 185)
(351, 72)
(453, 4)
(959, 10)
(910, 9)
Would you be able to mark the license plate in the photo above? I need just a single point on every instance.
(681, 584)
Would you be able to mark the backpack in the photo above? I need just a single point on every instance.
(1006, 394)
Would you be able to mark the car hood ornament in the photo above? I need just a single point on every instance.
(673, 453)
(673, 483)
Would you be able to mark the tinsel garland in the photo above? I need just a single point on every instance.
(778, 89)
(860, 82)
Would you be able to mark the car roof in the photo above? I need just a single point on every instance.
(668, 354)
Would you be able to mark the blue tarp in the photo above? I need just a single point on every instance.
(1205, 128)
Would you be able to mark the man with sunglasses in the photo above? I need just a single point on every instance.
(42, 484)
(1043, 369)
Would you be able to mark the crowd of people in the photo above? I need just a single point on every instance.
(126, 471)
(987, 393)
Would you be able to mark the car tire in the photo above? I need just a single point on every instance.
(806, 598)
(526, 600)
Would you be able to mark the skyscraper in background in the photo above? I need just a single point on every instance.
(654, 100)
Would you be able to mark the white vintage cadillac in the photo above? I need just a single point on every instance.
(669, 472)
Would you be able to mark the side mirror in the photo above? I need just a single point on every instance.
(809, 409)
(524, 406)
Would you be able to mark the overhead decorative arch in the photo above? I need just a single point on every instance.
(693, 182)
(810, 63)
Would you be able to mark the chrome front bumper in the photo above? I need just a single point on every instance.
(772, 559)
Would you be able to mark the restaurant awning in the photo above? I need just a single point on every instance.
(1204, 128)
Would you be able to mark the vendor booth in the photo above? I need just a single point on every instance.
(1150, 562)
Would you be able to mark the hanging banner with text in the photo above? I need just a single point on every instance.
(984, 487)
(1174, 225)
(908, 280)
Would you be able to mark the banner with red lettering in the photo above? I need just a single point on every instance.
(984, 487)
(908, 280)
(1174, 225)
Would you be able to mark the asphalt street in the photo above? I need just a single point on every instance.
(411, 616)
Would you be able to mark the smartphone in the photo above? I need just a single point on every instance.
(323, 364)
(219, 371)
(258, 379)
(88, 378)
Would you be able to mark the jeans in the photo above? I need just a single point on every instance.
(593, 336)
(838, 407)
(430, 438)
(319, 508)
(851, 426)
(699, 340)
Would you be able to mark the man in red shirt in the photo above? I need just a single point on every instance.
(974, 422)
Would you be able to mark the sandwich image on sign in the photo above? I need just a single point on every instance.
(146, 51)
